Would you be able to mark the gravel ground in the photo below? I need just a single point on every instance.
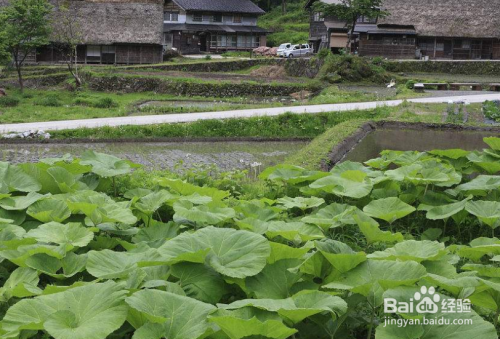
(173, 156)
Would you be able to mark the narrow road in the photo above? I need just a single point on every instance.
(247, 113)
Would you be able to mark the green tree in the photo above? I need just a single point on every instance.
(350, 11)
(67, 34)
(25, 25)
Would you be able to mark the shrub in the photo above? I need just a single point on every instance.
(170, 54)
(51, 100)
(105, 103)
(378, 61)
(9, 101)
(83, 102)
(208, 57)
(324, 53)
(350, 68)
(491, 110)
(410, 84)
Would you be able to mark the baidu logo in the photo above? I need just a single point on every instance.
(427, 301)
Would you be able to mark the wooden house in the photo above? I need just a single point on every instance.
(444, 29)
(194, 26)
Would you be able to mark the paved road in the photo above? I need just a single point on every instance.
(190, 117)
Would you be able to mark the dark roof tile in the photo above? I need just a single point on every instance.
(226, 6)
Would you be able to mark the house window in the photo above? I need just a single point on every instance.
(237, 19)
(197, 17)
(93, 51)
(318, 17)
(171, 16)
(108, 49)
(217, 18)
(366, 20)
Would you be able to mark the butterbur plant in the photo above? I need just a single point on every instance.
(312, 255)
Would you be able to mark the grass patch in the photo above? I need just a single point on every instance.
(9, 101)
(291, 27)
(283, 126)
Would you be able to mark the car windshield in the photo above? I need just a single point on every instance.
(284, 46)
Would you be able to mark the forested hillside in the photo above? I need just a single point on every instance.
(291, 26)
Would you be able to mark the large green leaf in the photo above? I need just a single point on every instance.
(200, 281)
(106, 165)
(297, 307)
(251, 322)
(66, 267)
(353, 184)
(426, 173)
(107, 264)
(487, 212)
(389, 209)
(48, 210)
(340, 255)
(73, 234)
(370, 229)
(14, 179)
(89, 312)
(187, 212)
(334, 215)
(233, 253)
(19, 203)
(301, 202)
(412, 250)
(23, 282)
(481, 183)
(294, 231)
(290, 174)
(276, 281)
(186, 189)
(446, 211)
(148, 204)
(388, 274)
(172, 316)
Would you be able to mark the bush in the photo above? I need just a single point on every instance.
(9, 101)
(491, 110)
(170, 54)
(99, 103)
(410, 84)
(378, 61)
(350, 68)
(208, 57)
(324, 53)
(105, 103)
(83, 102)
(49, 101)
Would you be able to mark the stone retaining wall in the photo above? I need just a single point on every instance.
(450, 67)
(186, 88)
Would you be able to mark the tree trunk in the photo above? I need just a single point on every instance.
(283, 6)
(19, 74)
(351, 35)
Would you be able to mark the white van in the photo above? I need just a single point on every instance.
(298, 51)
(283, 48)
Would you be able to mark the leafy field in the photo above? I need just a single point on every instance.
(92, 249)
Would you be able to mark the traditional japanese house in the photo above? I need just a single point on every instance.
(444, 29)
(194, 26)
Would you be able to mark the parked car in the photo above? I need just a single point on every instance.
(282, 48)
(297, 51)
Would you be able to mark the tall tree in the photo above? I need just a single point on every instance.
(68, 35)
(25, 26)
(283, 6)
(350, 11)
